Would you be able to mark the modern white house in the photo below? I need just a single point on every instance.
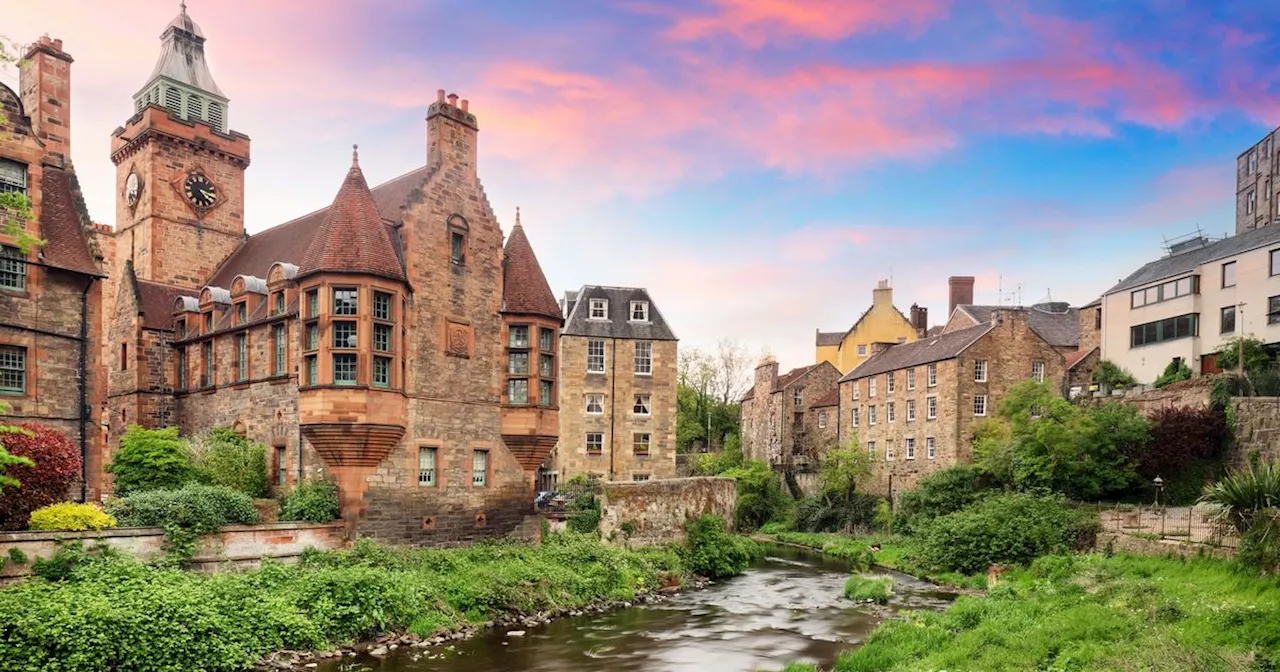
(1187, 304)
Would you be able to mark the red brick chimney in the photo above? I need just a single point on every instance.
(919, 319)
(961, 292)
(45, 81)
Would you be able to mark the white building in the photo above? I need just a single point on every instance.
(1188, 303)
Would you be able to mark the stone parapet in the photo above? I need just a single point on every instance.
(652, 513)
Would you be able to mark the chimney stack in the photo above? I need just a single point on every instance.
(451, 135)
(45, 84)
(882, 295)
(919, 319)
(961, 292)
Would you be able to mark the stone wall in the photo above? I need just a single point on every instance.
(238, 545)
(1127, 543)
(656, 511)
(1185, 393)
(1257, 430)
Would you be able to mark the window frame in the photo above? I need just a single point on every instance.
(644, 363)
(20, 369)
(822, 419)
(1038, 370)
(281, 348)
(931, 375)
(931, 447)
(641, 447)
(587, 443)
(911, 410)
(911, 379)
(480, 468)
(512, 385)
(1139, 336)
(643, 401)
(13, 263)
(602, 304)
(8, 185)
(980, 373)
(931, 407)
(910, 444)
(603, 355)
(242, 357)
(1232, 266)
(433, 471)
(643, 307)
(345, 357)
(980, 400)
(588, 398)
(1274, 259)
(338, 306)
(1222, 320)
(889, 412)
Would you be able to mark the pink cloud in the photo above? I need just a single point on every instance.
(759, 22)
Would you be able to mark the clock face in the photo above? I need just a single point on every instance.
(131, 189)
(200, 191)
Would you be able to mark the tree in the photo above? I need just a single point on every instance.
(1256, 359)
(731, 371)
(150, 459)
(1176, 371)
(840, 470)
(1109, 376)
(54, 467)
(709, 386)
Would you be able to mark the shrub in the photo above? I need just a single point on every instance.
(200, 509)
(939, 494)
(7, 460)
(713, 552)
(714, 464)
(312, 501)
(760, 496)
(71, 516)
(1003, 529)
(863, 588)
(150, 459)
(830, 512)
(56, 467)
(1187, 445)
(1109, 376)
(1247, 501)
(222, 457)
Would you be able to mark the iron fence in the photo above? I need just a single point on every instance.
(1185, 524)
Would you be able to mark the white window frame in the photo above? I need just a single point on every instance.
(1037, 371)
(644, 402)
(888, 451)
(980, 405)
(641, 308)
(598, 399)
(644, 358)
(931, 408)
(427, 471)
(853, 417)
(871, 449)
(597, 309)
(871, 415)
(911, 410)
(911, 379)
(931, 447)
(593, 358)
(587, 443)
(932, 375)
(888, 412)
(479, 468)
(822, 419)
(862, 349)
(979, 370)
(890, 382)
(871, 386)
(911, 448)
(636, 443)
(857, 389)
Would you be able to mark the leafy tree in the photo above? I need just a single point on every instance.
(53, 466)
(9, 460)
(1256, 359)
(1110, 376)
(1176, 371)
(150, 459)
(839, 470)
(943, 492)
(222, 457)
(760, 496)
(709, 387)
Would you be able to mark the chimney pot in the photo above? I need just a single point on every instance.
(453, 99)
(440, 95)
(57, 44)
(465, 104)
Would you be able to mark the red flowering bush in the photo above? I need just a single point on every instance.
(57, 466)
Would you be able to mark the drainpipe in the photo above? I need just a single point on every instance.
(84, 391)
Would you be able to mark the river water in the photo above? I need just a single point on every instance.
(786, 608)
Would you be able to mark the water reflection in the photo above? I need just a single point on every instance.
(786, 608)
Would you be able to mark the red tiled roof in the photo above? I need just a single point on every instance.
(155, 302)
(831, 398)
(792, 376)
(352, 237)
(524, 288)
(1076, 357)
(288, 242)
(61, 225)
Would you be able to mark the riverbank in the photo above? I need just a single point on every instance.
(890, 551)
(104, 611)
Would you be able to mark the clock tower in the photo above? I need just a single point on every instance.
(179, 170)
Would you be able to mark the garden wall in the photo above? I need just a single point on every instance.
(239, 545)
(1184, 393)
(1257, 429)
(656, 511)
(1127, 543)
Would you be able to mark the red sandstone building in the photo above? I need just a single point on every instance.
(394, 341)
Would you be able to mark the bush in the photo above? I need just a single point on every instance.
(56, 468)
(713, 552)
(1004, 529)
(1187, 445)
(150, 459)
(222, 457)
(312, 501)
(71, 516)
(1109, 376)
(862, 588)
(939, 494)
(1176, 371)
(199, 509)
(856, 512)
(760, 496)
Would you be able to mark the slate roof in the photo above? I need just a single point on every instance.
(289, 241)
(352, 237)
(619, 324)
(751, 394)
(792, 376)
(182, 56)
(525, 290)
(831, 398)
(829, 338)
(923, 351)
(63, 224)
(1185, 262)
(156, 303)
(1056, 323)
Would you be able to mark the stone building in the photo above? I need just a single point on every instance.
(50, 294)
(779, 417)
(880, 323)
(1056, 322)
(913, 407)
(617, 388)
(393, 341)
(1258, 185)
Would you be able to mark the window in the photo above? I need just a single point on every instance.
(932, 375)
(595, 404)
(888, 451)
(518, 391)
(518, 336)
(1037, 371)
(639, 311)
(313, 303)
(546, 366)
(381, 306)
(313, 370)
(182, 368)
(208, 364)
(546, 339)
(888, 411)
(640, 443)
(546, 393)
(595, 356)
(313, 336)
(345, 302)
(931, 408)
(871, 387)
(242, 313)
(518, 363)
(862, 349)
(1251, 202)
(1275, 262)
(853, 417)
(599, 309)
(1227, 320)
(857, 388)
(911, 410)
(382, 371)
(1273, 310)
(1253, 163)
(242, 357)
(979, 370)
(427, 467)
(282, 469)
(344, 334)
(457, 248)
(911, 378)
(797, 397)
(595, 443)
(1166, 291)
(980, 404)
(280, 344)
(871, 415)
(1229, 274)
(1164, 330)
(641, 407)
(822, 419)
(173, 99)
(13, 176)
(13, 370)
(124, 356)
(13, 268)
(644, 358)
(180, 329)
(871, 449)
(890, 382)
(279, 303)
(911, 448)
(639, 478)
(480, 468)
(382, 337)
(931, 447)
(344, 369)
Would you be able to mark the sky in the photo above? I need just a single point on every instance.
(758, 165)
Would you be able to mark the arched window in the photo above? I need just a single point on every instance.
(195, 107)
(215, 115)
(173, 99)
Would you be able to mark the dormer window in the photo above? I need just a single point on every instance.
(639, 311)
(180, 328)
(599, 309)
(208, 322)
(13, 176)
(242, 313)
(279, 303)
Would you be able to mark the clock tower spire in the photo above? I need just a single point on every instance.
(179, 168)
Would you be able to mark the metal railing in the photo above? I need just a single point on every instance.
(1185, 524)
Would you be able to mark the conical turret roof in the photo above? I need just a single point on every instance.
(525, 290)
(352, 238)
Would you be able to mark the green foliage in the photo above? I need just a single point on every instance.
(760, 495)
(583, 511)
(715, 464)
(1256, 359)
(1110, 376)
(7, 460)
(313, 500)
(222, 457)
(839, 512)
(71, 516)
(1176, 371)
(1247, 501)
(1186, 451)
(864, 588)
(943, 492)
(150, 459)
(1004, 529)
(713, 552)
(840, 469)
(55, 468)
(185, 514)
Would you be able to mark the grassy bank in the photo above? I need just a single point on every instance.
(1092, 612)
(896, 552)
(105, 613)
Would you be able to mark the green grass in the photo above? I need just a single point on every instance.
(896, 552)
(864, 588)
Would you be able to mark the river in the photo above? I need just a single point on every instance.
(787, 607)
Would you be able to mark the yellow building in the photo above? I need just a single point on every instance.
(881, 323)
